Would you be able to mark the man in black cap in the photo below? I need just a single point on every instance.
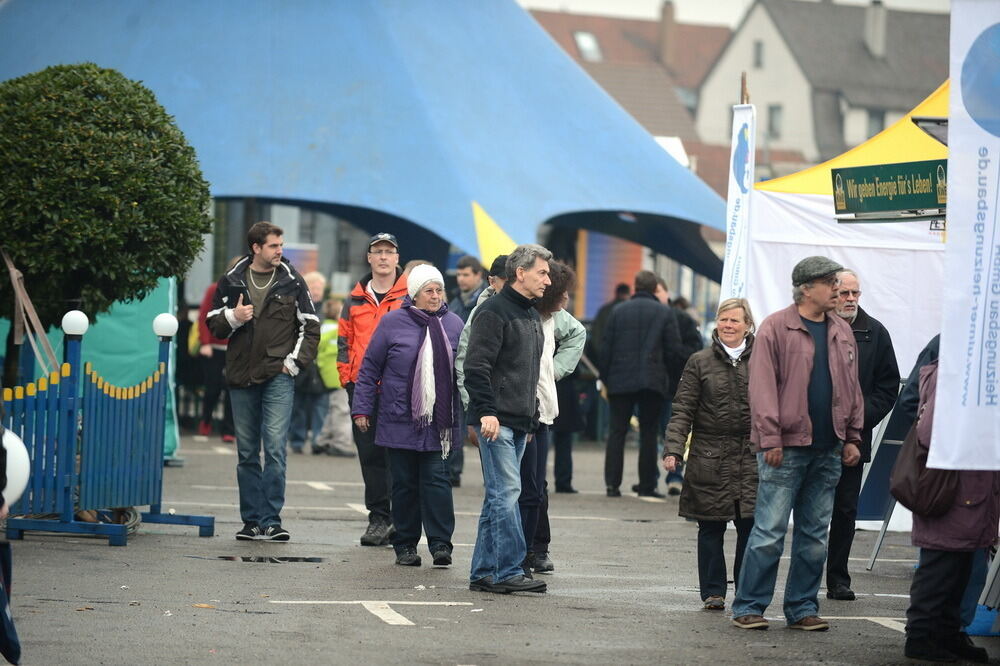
(377, 293)
(806, 416)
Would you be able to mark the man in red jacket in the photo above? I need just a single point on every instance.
(806, 416)
(377, 293)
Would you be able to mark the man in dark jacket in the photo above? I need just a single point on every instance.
(471, 283)
(262, 306)
(622, 293)
(640, 344)
(691, 342)
(878, 375)
(501, 376)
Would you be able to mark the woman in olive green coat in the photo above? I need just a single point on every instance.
(720, 481)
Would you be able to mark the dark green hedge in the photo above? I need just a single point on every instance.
(100, 194)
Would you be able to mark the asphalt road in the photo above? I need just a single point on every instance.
(624, 590)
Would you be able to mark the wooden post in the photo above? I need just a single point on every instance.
(744, 91)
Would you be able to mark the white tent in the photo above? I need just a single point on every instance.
(900, 264)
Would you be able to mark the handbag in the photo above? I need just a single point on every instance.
(925, 492)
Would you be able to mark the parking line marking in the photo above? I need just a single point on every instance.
(236, 506)
(381, 609)
(894, 623)
(360, 508)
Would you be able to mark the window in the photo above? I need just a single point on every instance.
(588, 47)
(758, 54)
(876, 121)
(774, 121)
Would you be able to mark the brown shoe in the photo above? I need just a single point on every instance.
(810, 623)
(715, 602)
(750, 622)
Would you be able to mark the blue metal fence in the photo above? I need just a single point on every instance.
(96, 448)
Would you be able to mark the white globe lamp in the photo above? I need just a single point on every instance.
(165, 325)
(75, 322)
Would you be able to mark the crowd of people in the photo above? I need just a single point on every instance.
(766, 422)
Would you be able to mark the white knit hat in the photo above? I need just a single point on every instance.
(420, 276)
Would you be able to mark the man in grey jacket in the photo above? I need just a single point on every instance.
(806, 416)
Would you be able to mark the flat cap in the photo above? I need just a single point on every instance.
(812, 268)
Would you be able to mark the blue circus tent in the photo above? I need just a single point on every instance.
(462, 119)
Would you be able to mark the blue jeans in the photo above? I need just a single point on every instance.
(500, 547)
(261, 414)
(803, 486)
(308, 413)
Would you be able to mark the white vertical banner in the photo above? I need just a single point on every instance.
(967, 415)
(741, 180)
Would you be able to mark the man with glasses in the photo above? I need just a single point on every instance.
(806, 416)
(878, 375)
(377, 293)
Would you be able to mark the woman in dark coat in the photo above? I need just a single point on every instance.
(720, 482)
(407, 377)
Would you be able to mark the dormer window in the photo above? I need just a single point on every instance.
(588, 47)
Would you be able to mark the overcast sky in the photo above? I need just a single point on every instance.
(717, 12)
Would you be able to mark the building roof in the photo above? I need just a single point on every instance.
(699, 47)
(635, 41)
(827, 40)
(647, 92)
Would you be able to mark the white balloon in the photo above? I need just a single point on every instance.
(18, 467)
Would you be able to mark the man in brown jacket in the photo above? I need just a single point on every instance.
(263, 309)
(806, 416)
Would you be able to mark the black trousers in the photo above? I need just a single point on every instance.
(936, 593)
(845, 511)
(374, 465)
(529, 502)
(563, 444)
(712, 557)
(215, 388)
(622, 405)
(421, 496)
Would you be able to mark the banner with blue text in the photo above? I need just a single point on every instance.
(741, 180)
(967, 415)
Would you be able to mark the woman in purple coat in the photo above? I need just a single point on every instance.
(407, 380)
(948, 545)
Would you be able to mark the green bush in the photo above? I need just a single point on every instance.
(100, 193)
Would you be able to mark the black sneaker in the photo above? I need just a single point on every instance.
(528, 564)
(543, 563)
(925, 649)
(250, 532)
(442, 557)
(962, 647)
(379, 532)
(483, 585)
(407, 557)
(275, 533)
(614, 492)
(519, 584)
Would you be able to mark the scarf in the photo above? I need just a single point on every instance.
(734, 352)
(431, 378)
